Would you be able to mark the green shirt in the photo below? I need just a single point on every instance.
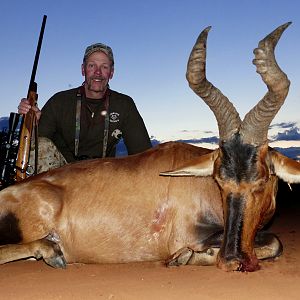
(58, 118)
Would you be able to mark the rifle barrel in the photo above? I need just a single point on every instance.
(37, 55)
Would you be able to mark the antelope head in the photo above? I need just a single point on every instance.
(244, 166)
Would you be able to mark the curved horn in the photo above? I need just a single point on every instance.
(226, 115)
(254, 129)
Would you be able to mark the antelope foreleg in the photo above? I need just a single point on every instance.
(267, 246)
(43, 248)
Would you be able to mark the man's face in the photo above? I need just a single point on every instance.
(98, 70)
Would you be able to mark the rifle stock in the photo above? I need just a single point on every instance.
(29, 121)
(28, 124)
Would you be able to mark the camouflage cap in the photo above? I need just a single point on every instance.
(99, 47)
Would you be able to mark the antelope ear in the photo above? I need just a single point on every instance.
(285, 168)
(201, 166)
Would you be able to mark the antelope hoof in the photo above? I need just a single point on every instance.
(51, 253)
(267, 246)
(56, 259)
(188, 256)
(180, 257)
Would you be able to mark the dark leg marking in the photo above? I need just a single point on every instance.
(214, 240)
(10, 232)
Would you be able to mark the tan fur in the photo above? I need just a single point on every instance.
(121, 210)
(116, 210)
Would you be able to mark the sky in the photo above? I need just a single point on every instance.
(151, 41)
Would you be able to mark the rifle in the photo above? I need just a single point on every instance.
(29, 122)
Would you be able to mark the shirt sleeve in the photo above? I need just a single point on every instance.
(135, 135)
(49, 125)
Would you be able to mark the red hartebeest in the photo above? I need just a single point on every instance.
(207, 210)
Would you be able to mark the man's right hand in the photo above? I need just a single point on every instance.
(24, 107)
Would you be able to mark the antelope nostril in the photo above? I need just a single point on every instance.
(249, 265)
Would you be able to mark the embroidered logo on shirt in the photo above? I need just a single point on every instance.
(117, 134)
(114, 117)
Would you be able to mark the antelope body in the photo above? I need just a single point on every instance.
(208, 209)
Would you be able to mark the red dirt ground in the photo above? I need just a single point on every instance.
(279, 279)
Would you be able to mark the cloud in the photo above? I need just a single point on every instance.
(288, 135)
(283, 125)
(210, 140)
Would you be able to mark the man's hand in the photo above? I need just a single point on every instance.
(24, 107)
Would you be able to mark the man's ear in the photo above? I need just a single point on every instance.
(112, 72)
(82, 70)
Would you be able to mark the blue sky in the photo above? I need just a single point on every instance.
(151, 41)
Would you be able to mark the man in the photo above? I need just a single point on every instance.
(88, 121)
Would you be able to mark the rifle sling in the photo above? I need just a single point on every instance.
(79, 96)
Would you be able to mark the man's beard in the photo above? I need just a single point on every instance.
(101, 86)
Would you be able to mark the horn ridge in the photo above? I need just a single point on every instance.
(254, 128)
(226, 115)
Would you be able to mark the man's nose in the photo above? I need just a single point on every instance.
(98, 71)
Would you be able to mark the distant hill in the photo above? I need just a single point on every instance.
(3, 123)
(284, 137)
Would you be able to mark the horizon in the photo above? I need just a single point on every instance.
(284, 137)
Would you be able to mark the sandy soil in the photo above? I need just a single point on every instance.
(279, 279)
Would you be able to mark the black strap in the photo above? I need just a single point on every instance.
(36, 147)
